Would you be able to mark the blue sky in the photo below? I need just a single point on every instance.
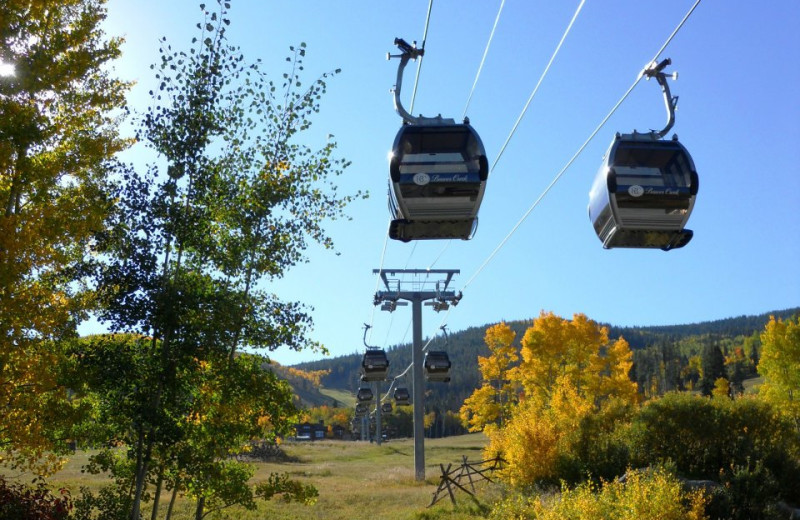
(737, 115)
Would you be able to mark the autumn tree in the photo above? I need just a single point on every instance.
(192, 244)
(58, 134)
(722, 388)
(579, 350)
(330, 415)
(779, 365)
(491, 403)
(692, 372)
(225, 402)
(577, 389)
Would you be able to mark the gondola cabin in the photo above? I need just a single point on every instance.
(364, 395)
(386, 408)
(402, 397)
(438, 176)
(437, 366)
(644, 193)
(361, 410)
(374, 365)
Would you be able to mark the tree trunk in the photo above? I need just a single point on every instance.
(157, 498)
(201, 502)
(142, 463)
(175, 488)
(14, 194)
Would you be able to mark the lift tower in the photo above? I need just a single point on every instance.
(418, 287)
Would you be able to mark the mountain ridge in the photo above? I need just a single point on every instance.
(466, 345)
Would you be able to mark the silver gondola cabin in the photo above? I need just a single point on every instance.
(644, 193)
(646, 187)
(402, 397)
(364, 395)
(438, 178)
(437, 366)
(374, 365)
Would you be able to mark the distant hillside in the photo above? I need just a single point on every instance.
(640, 337)
(307, 394)
(464, 347)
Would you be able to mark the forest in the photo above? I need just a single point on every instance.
(664, 358)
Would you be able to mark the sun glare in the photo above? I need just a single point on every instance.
(6, 69)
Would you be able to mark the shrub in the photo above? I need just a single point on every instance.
(20, 502)
(681, 428)
(641, 495)
(111, 503)
(746, 494)
(599, 445)
(715, 438)
(704, 435)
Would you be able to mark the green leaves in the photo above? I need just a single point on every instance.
(289, 490)
(241, 195)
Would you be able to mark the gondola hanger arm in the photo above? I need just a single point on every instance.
(366, 329)
(410, 52)
(656, 70)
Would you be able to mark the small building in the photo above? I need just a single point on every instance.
(310, 431)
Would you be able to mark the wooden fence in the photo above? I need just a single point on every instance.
(468, 473)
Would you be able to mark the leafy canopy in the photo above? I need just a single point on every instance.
(58, 136)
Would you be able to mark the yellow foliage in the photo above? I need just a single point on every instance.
(648, 494)
(490, 403)
(30, 396)
(499, 338)
(313, 376)
(529, 443)
(57, 138)
(780, 366)
(428, 419)
(579, 350)
(538, 434)
(569, 372)
(553, 347)
(480, 409)
(722, 388)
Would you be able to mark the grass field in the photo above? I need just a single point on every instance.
(354, 479)
(751, 385)
(344, 397)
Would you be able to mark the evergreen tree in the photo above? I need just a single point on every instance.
(755, 357)
(713, 367)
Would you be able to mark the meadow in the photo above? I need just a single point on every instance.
(354, 479)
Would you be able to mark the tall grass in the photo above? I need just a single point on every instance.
(354, 479)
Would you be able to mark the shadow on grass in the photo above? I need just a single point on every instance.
(392, 449)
